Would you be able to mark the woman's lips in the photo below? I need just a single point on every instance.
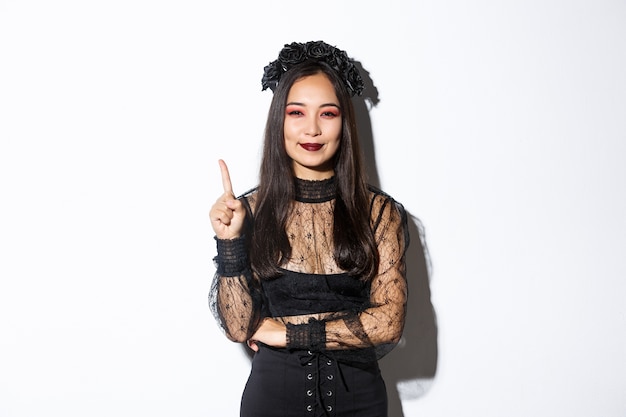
(311, 146)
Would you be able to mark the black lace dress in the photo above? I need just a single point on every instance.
(337, 325)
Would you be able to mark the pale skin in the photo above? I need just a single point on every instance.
(312, 132)
(313, 124)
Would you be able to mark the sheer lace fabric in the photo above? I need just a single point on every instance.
(323, 307)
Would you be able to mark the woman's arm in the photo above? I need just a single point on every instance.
(382, 323)
(234, 298)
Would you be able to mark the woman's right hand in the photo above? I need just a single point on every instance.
(227, 214)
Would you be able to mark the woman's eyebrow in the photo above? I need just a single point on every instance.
(296, 103)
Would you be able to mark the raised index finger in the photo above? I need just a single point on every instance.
(228, 187)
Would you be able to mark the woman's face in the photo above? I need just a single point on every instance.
(312, 127)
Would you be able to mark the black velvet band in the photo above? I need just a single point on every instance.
(311, 335)
(232, 257)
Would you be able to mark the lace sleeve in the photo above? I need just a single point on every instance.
(234, 297)
(379, 326)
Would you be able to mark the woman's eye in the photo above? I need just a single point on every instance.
(329, 114)
(294, 113)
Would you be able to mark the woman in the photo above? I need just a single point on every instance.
(310, 264)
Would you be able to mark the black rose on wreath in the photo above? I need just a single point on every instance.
(318, 49)
(291, 55)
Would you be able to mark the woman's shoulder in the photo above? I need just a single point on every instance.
(387, 214)
(383, 204)
(249, 198)
(381, 197)
(250, 193)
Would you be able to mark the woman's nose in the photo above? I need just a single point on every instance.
(313, 127)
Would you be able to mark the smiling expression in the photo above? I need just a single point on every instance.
(313, 125)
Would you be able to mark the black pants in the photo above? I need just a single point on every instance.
(306, 384)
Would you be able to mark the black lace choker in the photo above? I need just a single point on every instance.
(310, 191)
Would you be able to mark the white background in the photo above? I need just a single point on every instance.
(501, 126)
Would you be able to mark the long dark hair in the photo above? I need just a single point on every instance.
(355, 247)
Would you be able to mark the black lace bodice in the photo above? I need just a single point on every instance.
(295, 293)
(322, 306)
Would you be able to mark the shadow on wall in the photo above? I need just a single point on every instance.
(410, 368)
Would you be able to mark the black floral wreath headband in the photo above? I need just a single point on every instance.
(296, 53)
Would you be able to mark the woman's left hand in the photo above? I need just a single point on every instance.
(271, 332)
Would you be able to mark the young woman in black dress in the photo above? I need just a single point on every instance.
(310, 263)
